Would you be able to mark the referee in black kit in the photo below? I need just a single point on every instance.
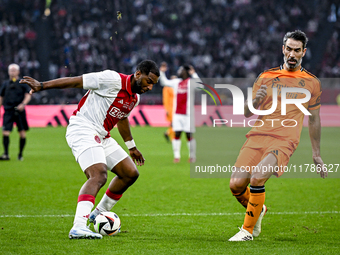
(14, 96)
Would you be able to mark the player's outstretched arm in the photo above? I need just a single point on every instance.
(124, 130)
(314, 126)
(61, 83)
(163, 80)
(260, 94)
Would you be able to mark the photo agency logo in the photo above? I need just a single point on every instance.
(204, 97)
(221, 106)
(289, 95)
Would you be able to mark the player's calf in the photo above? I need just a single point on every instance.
(97, 177)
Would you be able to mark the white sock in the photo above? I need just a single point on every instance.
(82, 213)
(176, 147)
(106, 204)
(192, 148)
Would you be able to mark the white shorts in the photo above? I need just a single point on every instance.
(89, 148)
(95, 155)
(181, 122)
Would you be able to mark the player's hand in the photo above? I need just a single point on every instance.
(137, 156)
(261, 93)
(163, 67)
(320, 167)
(33, 83)
(20, 107)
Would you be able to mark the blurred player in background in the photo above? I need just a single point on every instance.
(168, 102)
(272, 144)
(14, 97)
(110, 98)
(182, 121)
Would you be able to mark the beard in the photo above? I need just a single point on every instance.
(137, 88)
(292, 66)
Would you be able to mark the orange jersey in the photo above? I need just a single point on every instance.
(168, 101)
(275, 124)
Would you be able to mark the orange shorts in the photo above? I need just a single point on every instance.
(257, 147)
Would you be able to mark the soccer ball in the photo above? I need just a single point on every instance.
(107, 224)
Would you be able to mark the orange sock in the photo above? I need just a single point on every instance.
(254, 208)
(171, 133)
(243, 197)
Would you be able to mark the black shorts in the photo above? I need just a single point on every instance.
(11, 116)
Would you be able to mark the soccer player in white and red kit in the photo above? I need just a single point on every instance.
(108, 102)
(183, 115)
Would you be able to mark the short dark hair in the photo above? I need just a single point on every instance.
(296, 35)
(187, 68)
(147, 66)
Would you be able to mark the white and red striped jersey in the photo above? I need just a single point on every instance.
(184, 92)
(109, 99)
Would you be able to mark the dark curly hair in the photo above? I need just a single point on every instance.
(147, 66)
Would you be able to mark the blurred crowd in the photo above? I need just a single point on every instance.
(221, 38)
(18, 36)
(330, 66)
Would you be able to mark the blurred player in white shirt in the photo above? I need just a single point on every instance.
(183, 115)
(109, 100)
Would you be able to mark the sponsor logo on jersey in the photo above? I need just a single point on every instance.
(182, 90)
(117, 113)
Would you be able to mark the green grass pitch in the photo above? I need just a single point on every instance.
(165, 211)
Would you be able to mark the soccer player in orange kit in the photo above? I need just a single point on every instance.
(168, 102)
(270, 144)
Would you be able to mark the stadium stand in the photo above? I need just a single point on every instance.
(221, 38)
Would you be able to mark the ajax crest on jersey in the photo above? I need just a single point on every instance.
(107, 224)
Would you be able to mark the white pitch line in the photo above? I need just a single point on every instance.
(172, 214)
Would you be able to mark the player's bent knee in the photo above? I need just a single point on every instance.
(102, 178)
(6, 133)
(237, 185)
(258, 181)
(127, 171)
(132, 175)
